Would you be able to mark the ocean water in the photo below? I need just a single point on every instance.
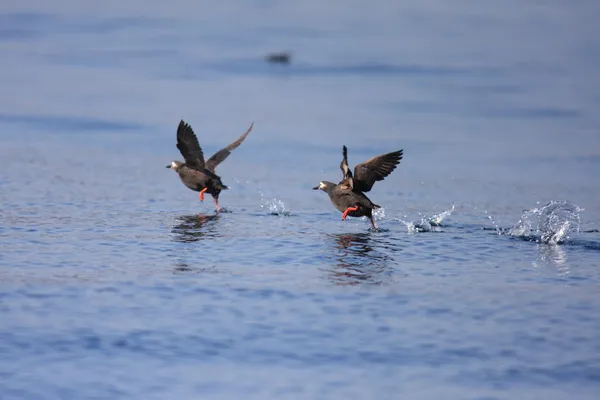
(482, 280)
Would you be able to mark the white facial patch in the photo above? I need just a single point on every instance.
(173, 165)
(322, 185)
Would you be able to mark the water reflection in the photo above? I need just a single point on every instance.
(554, 256)
(358, 259)
(192, 228)
(182, 267)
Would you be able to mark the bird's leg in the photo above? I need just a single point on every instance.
(372, 222)
(217, 204)
(345, 214)
(201, 196)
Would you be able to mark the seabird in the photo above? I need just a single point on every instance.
(195, 173)
(348, 195)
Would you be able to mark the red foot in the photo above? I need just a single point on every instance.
(345, 214)
(202, 194)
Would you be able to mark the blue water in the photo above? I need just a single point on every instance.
(482, 281)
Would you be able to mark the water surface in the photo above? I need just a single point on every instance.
(482, 280)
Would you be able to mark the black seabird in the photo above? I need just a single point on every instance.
(348, 195)
(195, 173)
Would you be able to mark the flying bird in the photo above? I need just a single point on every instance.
(195, 173)
(348, 196)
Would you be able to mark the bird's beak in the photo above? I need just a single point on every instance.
(169, 166)
(316, 187)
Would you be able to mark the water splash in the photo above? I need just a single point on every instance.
(276, 207)
(415, 227)
(493, 221)
(428, 223)
(437, 219)
(553, 223)
(379, 214)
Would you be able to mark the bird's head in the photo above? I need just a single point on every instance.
(324, 186)
(175, 165)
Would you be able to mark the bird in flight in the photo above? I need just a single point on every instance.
(348, 196)
(195, 173)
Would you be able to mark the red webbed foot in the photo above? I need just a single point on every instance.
(201, 196)
(345, 214)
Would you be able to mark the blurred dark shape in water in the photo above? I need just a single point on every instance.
(283, 57)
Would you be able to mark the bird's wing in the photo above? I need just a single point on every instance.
(347, 174)
(345, 184)
(222, 154)
(376, 169)
(188, 145)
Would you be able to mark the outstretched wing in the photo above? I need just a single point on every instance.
(344, 164)
(347, 179)
(374, 170)
(222, 154)
(188, 145)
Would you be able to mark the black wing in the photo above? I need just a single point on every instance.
(374, 170)
(188, 145)
(347, 179)
(222, 154)
(344, 164)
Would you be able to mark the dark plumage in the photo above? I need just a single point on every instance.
(347, 196)
(195, 173)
